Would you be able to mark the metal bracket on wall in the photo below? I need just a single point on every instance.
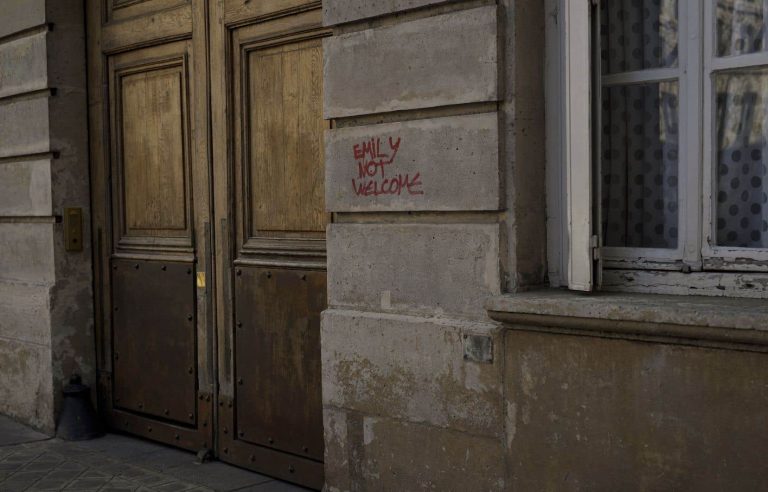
(73, 229)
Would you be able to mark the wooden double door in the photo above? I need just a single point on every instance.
(209, 225)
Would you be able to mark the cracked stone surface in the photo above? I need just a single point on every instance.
(30, 461)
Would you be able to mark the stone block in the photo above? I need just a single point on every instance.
(18, 15)
(342, 11)
(338, 464)
(25, 188)
(25, 313)
(415, 370)
(26, 385)
(27, 252)
(23, 65)
(597, 414)
(439, 164)
(24, 127)
(418, 268)
(386, 454)
(437, 61)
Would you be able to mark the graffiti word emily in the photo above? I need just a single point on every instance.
(373, 157)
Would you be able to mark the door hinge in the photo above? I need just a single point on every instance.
(595, 244)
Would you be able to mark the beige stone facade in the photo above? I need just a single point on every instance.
(46, 320)
(440, 370)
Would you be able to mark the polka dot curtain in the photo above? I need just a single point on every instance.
(741, 123)
(640, 126)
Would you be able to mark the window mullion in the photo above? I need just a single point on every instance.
(692, 114)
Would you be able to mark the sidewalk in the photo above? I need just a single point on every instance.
(30, 461)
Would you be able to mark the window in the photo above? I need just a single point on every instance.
(678, 178)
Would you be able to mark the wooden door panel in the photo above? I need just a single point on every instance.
(152, 127)
(153, 28)
(125, 9)
(240, 11)
(285, 106)
(150, 148)
(277, 361)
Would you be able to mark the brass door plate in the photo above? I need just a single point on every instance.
(73, 229)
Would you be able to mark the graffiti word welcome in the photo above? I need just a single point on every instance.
(373, 157)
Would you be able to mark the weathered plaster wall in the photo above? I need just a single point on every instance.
(428, 155)
(597, 414)
(46, 322)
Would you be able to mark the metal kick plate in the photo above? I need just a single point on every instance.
(277, 359)
(154, 339)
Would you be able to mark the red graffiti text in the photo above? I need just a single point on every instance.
(373, 157)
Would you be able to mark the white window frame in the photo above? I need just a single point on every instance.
(569, 144)
(695, 267)
(687, 255)
(720, 257)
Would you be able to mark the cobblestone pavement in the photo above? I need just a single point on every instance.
(30, 461)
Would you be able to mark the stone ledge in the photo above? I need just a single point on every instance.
(689, 320)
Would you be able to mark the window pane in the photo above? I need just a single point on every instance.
(742, 123)
(741, 27)
(639, 166)
(638, 34)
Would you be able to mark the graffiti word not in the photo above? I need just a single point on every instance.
(373, 157)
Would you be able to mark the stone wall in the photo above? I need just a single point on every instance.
(610, 414)
(46, 321)
(435, 174)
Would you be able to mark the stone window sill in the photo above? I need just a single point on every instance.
(703, 321)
